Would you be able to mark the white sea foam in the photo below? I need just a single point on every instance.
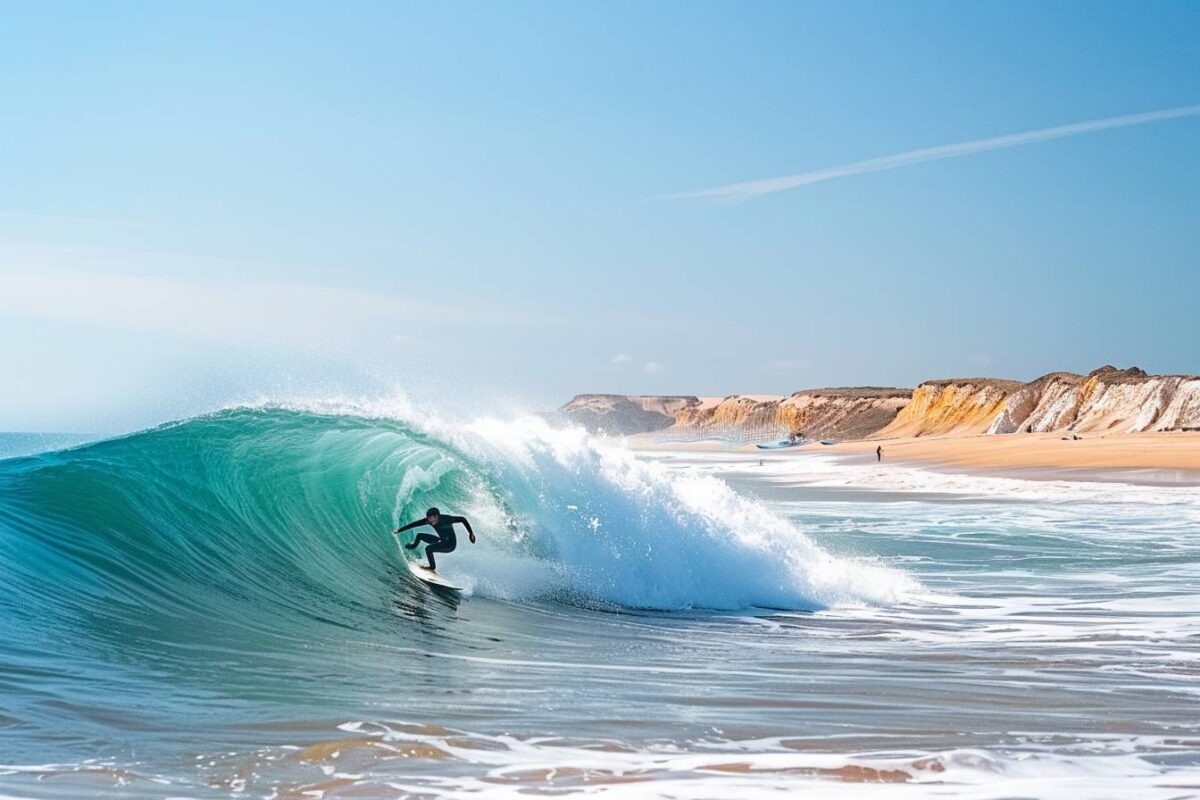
(510, 766)
(610, 526)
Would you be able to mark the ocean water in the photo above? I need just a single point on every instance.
(215, 608)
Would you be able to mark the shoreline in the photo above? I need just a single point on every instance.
(1150, 459)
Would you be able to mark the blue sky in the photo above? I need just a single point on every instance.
(493, 204)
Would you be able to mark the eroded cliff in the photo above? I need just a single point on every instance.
(955, 406)
(843, 413)
(1106, 400)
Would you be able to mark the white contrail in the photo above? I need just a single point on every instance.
(747, 190)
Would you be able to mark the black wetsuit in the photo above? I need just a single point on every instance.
(444, 542)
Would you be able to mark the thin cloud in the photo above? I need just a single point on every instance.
(232, 312)
(748, 190)
(653, 367)
(621, 359)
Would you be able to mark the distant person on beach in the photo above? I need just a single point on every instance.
(879, 453)
(444, 542)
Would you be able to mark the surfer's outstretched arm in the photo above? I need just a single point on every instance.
(466, 525)
(411, 525)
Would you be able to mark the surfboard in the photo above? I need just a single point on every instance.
(428, 576)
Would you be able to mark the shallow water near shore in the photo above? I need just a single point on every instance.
(214, 607)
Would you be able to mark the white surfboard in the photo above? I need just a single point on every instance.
(430, 577)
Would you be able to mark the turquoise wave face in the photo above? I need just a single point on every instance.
(247, 515)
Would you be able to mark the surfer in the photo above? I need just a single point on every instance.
(444, 542)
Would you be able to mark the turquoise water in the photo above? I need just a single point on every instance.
(215, 607)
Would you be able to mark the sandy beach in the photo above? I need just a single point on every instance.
(1167, 451)
(1170, 457)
